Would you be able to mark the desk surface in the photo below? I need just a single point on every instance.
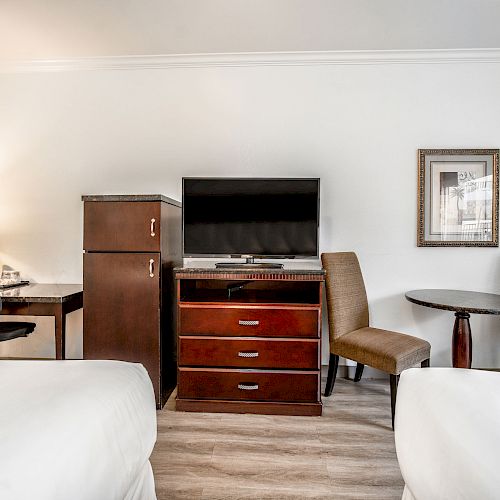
(41, 292)
(456, 300)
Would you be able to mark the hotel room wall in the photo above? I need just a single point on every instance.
(64, 134)
(30, 30)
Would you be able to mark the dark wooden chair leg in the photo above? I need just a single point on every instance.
(425, 363)
(394, 391)
(332, 373)
(359, 372)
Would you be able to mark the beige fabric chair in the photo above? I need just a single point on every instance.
(350, 334)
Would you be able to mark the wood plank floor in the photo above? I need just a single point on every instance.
(347, 453)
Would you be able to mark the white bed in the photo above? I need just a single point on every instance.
(447, 433)
(80, 430)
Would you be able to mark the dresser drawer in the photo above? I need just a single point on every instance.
(122, 226)
(249, 385)
(249, 353)
(259, 321)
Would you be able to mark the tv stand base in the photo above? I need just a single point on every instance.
(256, 407)
(249, 341)
(247, 265)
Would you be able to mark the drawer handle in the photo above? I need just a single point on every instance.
(248, 386)
(244, 322)
(151, 268)
(152, 228)
(248, 354)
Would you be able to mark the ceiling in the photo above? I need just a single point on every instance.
(58, 29)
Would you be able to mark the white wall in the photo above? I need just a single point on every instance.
(357, 127)
(33, 29)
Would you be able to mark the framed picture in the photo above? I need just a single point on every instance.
(457, 197)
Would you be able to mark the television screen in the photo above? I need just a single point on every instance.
(258, 217)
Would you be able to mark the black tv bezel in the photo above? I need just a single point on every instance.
(244, 255)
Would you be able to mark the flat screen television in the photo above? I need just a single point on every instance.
(248, 217)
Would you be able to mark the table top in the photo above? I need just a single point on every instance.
(41, 292)
(456, 300)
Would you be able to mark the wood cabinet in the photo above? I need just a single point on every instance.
(131, 245)
(249, 341)
(122, 226)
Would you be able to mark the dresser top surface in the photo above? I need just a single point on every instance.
(130, 197)
(312, 270)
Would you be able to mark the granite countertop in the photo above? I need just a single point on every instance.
(41, 292)
(130, 197)
(456, 300)
(313, 268)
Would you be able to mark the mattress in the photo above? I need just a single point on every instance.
(76, 429)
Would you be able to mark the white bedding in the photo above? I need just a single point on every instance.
(80, 430)
(448, 434)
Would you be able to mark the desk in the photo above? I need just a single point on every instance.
(464, 303)
(44, 300)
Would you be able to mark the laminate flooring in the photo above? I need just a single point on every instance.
(348, 453)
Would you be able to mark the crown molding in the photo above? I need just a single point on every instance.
(323, 58)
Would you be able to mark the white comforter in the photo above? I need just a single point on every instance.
(79, 430)
(448, 433)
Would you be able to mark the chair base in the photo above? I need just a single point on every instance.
(359, 372)
(10, 330)
(393, 380)
(332, 374)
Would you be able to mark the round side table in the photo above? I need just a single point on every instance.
(464, 303)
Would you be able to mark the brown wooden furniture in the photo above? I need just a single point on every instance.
(249, 340)
(39, 299)
(464, 303)
(351, 335)
(131, 245)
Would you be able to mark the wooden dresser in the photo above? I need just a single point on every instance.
(132, 243)
(249, 341)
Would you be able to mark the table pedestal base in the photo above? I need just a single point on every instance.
(462, 341)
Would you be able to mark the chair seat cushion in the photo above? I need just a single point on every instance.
(13, 329)
(391, 352)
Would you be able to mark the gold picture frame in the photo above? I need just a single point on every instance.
(457, 198)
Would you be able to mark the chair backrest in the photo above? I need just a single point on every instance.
(345, 294)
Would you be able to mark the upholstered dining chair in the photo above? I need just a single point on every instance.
(351, 335)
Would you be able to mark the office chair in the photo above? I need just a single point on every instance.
(10, 330)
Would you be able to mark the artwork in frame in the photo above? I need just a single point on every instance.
(458, 197)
